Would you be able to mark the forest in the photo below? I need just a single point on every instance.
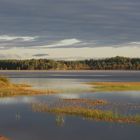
(114, 63)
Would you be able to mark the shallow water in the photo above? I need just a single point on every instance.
(19, 122)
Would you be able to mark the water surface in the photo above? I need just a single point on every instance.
(19, 122)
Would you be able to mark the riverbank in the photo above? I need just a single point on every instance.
(69, 71)
(9, 89)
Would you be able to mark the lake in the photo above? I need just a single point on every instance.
(18, 120)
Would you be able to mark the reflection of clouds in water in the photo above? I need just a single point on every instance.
(17, 100)
(132, 94)
(68, 96)
(56, 84)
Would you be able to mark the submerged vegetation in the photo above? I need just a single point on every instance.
(9, 89)
(115, 86)
(115, 63)
(95, 114)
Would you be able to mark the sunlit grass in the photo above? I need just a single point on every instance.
(9, 89)
(86, 101)
(95, 114)
(115, 86)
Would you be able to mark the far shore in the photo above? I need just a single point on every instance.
(61, 71)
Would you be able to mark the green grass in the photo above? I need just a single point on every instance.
(115, 86)
(98, 115)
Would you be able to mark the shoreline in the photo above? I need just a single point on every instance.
(60, 71)
(8, 89)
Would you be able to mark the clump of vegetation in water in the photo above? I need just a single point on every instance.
(95, 114)
(115, 86)
(86, 101)
(9, 89)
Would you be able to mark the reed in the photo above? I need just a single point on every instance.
(98, 115)
(86, 101)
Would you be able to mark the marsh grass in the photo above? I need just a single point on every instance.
(94, 114)
(4, 81)
(9, 89)
(86, 101)
(115, 86)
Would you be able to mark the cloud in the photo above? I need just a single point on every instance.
(60, 24)
(11, 38)
(134, 43)
(109, 20)
(9, 41)
(40, 55)
(10, 56)
(63, 43)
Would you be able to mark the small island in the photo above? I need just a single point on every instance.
(115, 86)
(86, 111)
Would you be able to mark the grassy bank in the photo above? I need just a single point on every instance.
(115, 86)
(97, 115)
(9, 89)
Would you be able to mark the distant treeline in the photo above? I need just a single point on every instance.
(115, 63)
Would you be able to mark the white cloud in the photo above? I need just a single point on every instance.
(70, 53)
(10, 56)
(134, 43)
(65, 42)
(11, 38)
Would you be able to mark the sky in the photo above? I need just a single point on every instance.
(69, 29)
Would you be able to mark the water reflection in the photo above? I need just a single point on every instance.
(19, 122)
(18, 116)
(17, 100)
(64, 85)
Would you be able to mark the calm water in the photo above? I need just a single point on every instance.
(19, 122)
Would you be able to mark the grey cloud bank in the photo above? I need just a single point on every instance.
(95, 23)
(40, 55)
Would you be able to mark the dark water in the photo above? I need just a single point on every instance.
(92, 75)
(19, 122)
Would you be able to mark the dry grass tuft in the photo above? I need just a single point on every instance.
(86, 101)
